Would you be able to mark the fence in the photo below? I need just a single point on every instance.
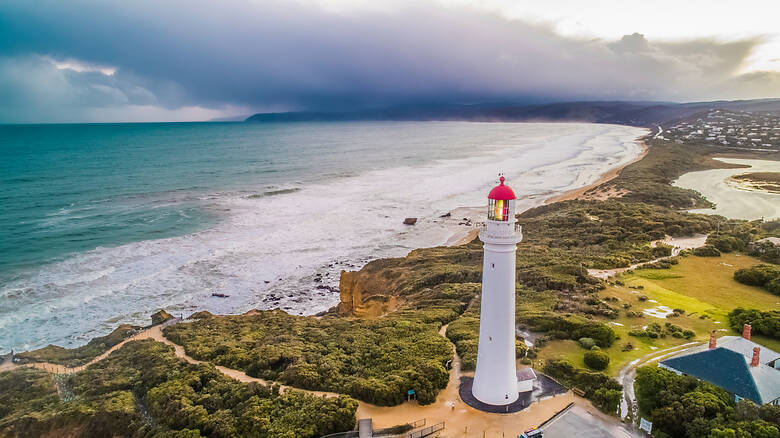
(427, 431)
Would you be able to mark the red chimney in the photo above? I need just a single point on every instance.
(713, 340)
(746, 331)
(756, 351)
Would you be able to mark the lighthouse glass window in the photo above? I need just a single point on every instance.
(498, 210)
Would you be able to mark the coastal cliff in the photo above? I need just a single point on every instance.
(365, 295)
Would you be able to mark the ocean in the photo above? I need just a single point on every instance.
(104, 224)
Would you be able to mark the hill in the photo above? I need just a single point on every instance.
(627, 113)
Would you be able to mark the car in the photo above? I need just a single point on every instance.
(532, 433)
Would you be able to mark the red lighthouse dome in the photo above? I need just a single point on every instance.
(502, 192)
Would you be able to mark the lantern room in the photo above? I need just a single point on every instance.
(501, 202)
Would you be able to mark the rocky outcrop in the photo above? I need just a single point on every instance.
(365, 294)
(160, 317)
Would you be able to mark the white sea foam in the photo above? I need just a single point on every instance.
(266, 250)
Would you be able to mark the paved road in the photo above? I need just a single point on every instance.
(580, 423)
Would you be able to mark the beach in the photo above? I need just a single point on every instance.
(580, 193)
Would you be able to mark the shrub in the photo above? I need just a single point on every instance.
(763, 323)
(608, 400)
(143, 389)
(590, 382)
(597, 360)
(587, 343)
(766, 276)
(575, 327)
(706, 251)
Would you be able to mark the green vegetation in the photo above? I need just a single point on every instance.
(81, 355)
(762, 323)
(374, 359)
(766, 276)
(706, 251)
(682, 406)
(569, 327)
(655, 330)
(143, 390)
(596, 359)
(604, 391)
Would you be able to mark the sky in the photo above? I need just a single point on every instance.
(177, 60)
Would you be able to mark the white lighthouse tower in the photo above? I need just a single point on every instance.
(495, 380)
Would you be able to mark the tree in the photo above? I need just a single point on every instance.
(596, 359)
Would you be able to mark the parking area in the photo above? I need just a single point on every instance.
(578, 422)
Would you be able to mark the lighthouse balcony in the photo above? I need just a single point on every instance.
(500, 232)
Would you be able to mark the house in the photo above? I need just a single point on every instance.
(734, 363)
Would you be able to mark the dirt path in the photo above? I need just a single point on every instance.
(462, 420)
(677, 243)
(459, 418)
(156, 334)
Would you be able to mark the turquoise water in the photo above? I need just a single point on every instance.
(104, 224)
(71, 188)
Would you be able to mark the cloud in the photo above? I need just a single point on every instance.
(239, 56)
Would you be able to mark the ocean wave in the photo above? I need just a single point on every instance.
(272, 243)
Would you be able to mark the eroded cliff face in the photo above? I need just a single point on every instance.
(365, 294)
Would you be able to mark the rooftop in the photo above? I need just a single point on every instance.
(731, 371)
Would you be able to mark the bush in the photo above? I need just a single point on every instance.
(377, 359)
(766, 276)
(590, 382)
(706, 251)
(575, 327)
(144, 390)
(72, 357)
(608, 400)
(587, 343)
(762, 323)
(597, 360)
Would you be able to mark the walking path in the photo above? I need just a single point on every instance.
(627, 375)
(155, 333)
(459, 418)
(677, 243)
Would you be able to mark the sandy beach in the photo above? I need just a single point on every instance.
(580, 193)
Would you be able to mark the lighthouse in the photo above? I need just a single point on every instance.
(495, 379)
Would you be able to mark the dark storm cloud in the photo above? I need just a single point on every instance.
(289, 55)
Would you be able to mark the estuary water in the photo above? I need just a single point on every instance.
(730, 199)
(106, 224)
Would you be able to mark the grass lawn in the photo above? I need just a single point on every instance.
(701, 286)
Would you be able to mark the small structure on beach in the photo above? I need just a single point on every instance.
(495, 379)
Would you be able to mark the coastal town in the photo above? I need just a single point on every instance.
(756, 131)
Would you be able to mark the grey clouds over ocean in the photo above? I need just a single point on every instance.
(78, 60)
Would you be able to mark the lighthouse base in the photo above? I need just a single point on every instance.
(523, 401)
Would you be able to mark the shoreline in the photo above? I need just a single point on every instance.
(611, 174)
(462, 237)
